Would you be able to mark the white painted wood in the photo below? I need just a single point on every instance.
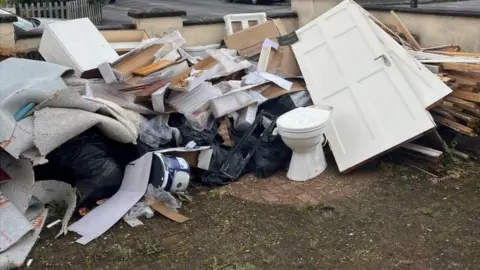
(426, 85)
(374, 107)
(244, 19)
(76, 44)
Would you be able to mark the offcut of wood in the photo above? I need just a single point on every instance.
(455, 126)
(466, 95)
(465, 67)
(147, 70)
(465, 105)
(403, 29)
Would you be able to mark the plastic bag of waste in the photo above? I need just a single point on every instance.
(163, 196)
(155, 132)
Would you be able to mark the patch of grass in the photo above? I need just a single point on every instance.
(125, 253)
(149, 247)
(233, 266)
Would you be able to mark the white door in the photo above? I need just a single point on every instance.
(426, 85)
(345, 66)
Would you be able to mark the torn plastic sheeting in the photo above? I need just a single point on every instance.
(258, 77)
(13, 224)
(16, 255)
(229, 61)
(156, 132)
(100, 219)
(25, 81)
(20, 189)
(138, 210)
(48, 191)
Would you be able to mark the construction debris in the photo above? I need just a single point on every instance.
(126, 132)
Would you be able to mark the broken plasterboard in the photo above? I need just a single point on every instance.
(104, 216)
(194, 76)
(346, 66)
(76, 44)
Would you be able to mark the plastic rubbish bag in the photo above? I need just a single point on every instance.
(155, 132)
(189, 132)
(163, 196)
(138, 210)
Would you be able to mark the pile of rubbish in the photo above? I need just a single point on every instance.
(121, 136)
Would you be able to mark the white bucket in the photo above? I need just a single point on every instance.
(201, 50)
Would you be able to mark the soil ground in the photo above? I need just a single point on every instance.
(402, 219)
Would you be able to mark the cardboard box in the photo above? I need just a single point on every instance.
(76, 44)
(248, 43)
(199, 157)
(209, 67)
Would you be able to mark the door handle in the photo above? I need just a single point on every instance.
(385, 59)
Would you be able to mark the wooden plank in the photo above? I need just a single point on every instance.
(423, 150)
(466, 95)
(403, 29)
(443, 113)
(44, 10)
(471, 120)
(454, 125)
(147, 70)
(465, 67)
(468, 54)
(466, 105)
(464, 80)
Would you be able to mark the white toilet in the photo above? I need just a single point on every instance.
(302, 129)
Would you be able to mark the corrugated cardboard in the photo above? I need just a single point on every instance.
(248, 43)
(208, 65)
(272, 90)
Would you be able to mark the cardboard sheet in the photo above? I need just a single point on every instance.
(100, 219)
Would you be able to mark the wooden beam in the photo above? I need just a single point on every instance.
(466, 95)
(472, 121)
(456, 53)
(454, 125)
(465, 67)
(466, 105)
(403, 29)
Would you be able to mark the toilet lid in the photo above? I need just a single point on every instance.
(303, 119)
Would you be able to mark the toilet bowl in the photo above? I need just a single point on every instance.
(302, 130)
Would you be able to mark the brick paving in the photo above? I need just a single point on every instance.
(278, 189)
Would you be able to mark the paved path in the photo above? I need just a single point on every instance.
(471, 5)
(194, 8)
(117, 13)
